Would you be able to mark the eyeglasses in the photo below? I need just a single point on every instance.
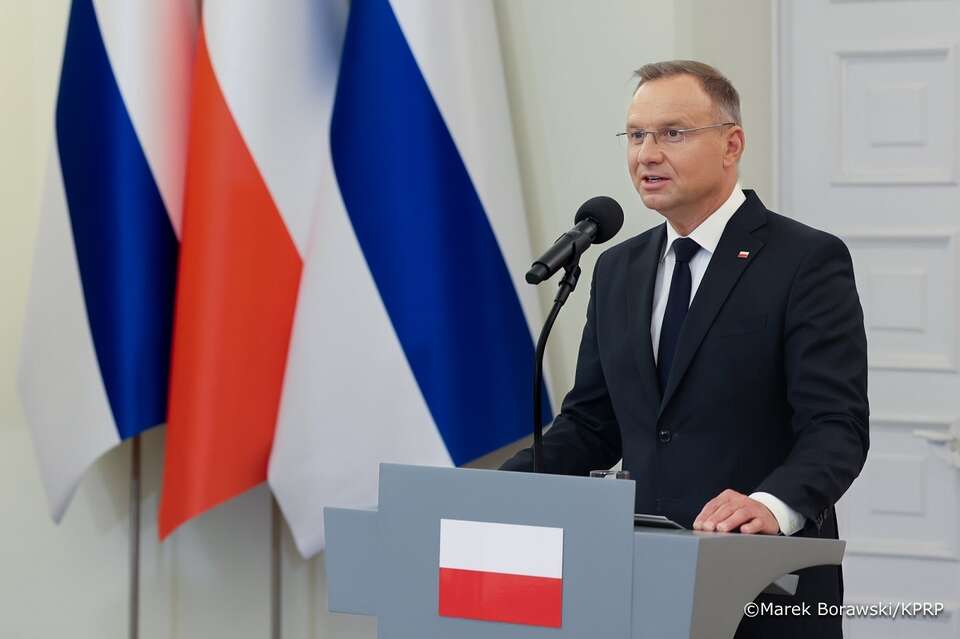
(669, 135)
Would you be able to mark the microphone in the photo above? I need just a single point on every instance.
(597, 220)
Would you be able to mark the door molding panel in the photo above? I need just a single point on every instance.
(895, 112)
(907, 279)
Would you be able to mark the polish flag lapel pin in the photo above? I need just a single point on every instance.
(743, 255)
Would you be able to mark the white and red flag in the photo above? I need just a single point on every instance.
(350, 287)
(254, 153)
(501, 572)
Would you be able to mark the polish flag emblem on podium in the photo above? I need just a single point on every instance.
(501, 572)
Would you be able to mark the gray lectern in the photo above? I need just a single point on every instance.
(434, 560)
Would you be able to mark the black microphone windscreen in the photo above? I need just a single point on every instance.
(606, 213)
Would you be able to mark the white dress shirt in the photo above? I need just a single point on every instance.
(707, 235)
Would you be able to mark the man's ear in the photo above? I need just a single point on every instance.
(735, 144)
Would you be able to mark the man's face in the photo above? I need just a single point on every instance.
(690, 172)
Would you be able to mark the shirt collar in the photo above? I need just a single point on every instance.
(707, 235)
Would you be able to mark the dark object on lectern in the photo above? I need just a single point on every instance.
(611, 474)
(655, 521)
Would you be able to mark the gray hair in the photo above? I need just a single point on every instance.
(715, 85)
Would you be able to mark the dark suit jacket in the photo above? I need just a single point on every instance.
(768, 389)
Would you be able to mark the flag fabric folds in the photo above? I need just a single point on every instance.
(293, 230)
(250, 192)
(412, 340)
(95, 351)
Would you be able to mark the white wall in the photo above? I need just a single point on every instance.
(736, 36)
(568, 65)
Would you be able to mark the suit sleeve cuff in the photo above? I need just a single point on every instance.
(789, 520)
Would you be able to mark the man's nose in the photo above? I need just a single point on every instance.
(648, 151)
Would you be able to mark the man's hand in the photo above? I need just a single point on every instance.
(731, 510)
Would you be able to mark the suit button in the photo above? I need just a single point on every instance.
(665, 436)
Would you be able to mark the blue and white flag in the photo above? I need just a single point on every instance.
(96, 344)
(413, 333)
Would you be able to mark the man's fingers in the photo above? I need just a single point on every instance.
(731, 510)
(760, 525)
(752, 526)
(711, 506)
(764, 523)
(708, 509)
(720, 514)
(738, 517)
(709, 517)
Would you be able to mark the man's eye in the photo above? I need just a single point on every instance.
(637, 136)
(674, 134)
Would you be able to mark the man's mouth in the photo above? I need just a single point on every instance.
(653, 183)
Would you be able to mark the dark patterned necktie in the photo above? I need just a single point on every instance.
(677, 303)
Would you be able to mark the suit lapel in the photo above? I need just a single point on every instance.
(642, 274)
(722, 274)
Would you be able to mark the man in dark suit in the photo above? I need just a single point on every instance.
(724, 356)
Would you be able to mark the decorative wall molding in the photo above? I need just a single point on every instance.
(868, 141)
(907, 279)
(894, 114)
(914, 422)
(859, 544)
(865, 546)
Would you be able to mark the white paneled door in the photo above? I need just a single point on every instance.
(868, 128)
